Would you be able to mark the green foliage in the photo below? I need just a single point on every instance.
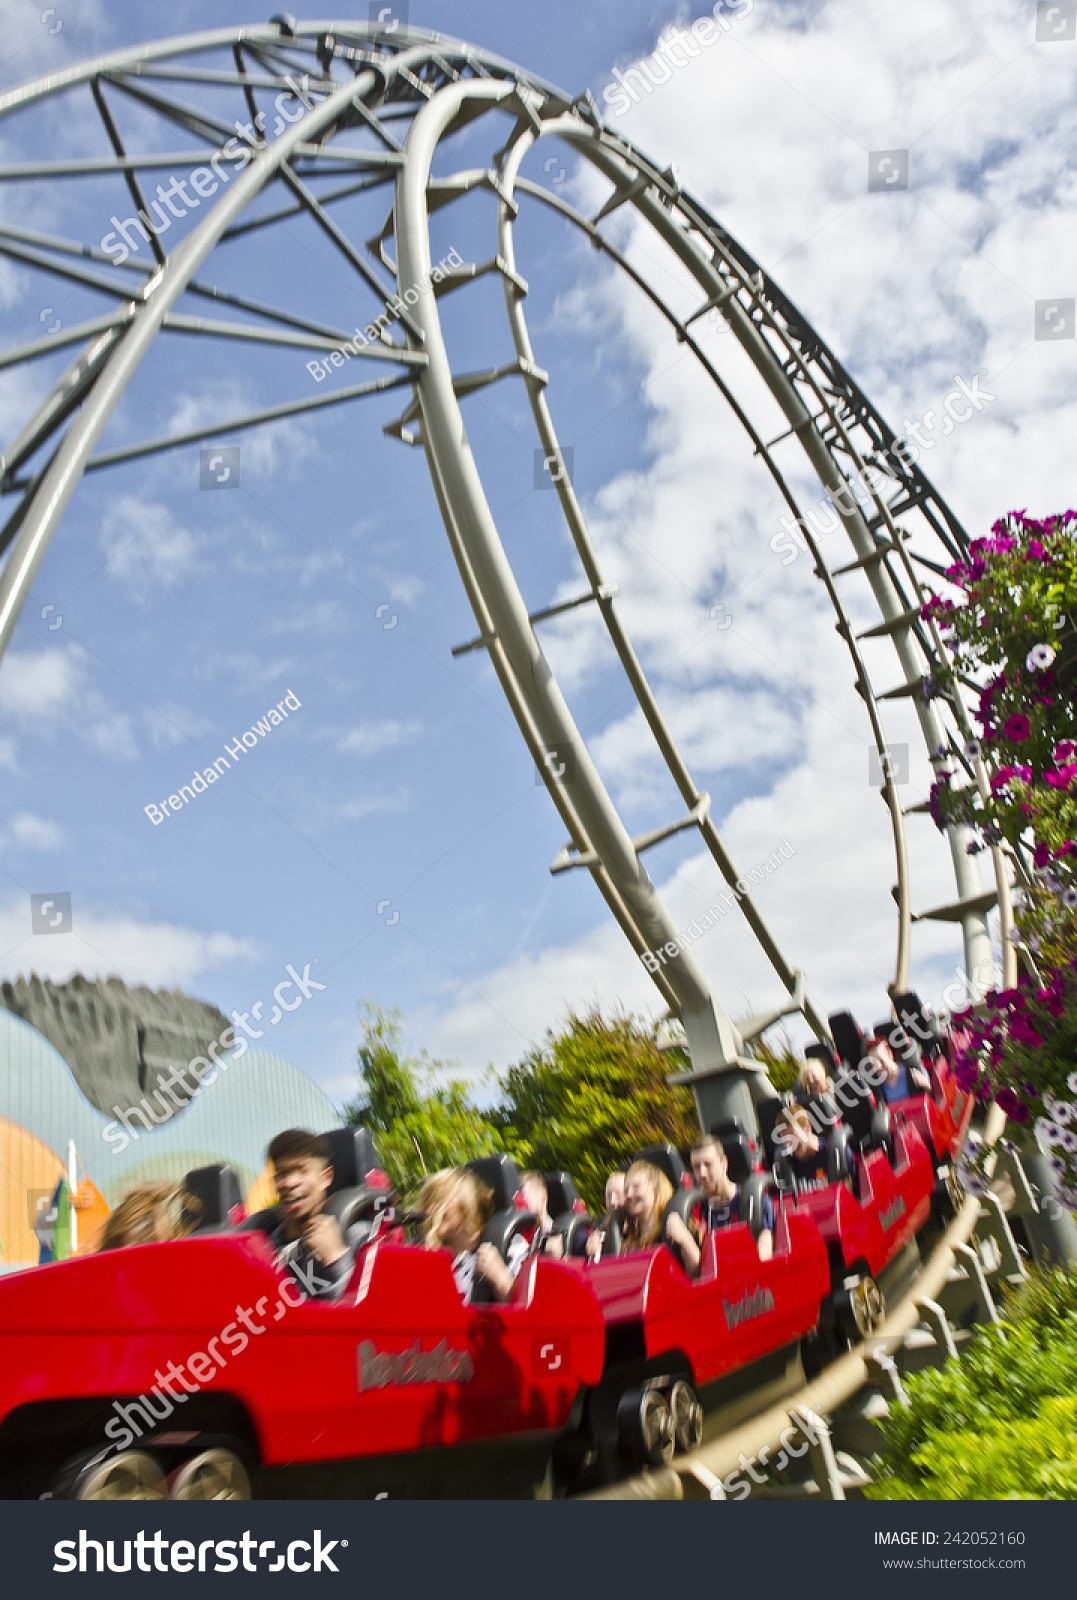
(1001, 1423)
(1031, 1459)
(421, 1120)
(591, 1096)
(782, 1062)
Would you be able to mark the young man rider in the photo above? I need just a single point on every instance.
(720, 1206)
(306, 1237)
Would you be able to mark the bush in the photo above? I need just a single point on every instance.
(1001, 1423)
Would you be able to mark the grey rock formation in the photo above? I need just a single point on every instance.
(116, 1040)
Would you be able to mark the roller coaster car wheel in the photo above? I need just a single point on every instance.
(645, 1426)
(687, 1414)
(130, 1475)
(860, 1308)
(211, 1475)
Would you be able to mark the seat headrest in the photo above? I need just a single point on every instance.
(767, 1111)
(849, 1042)
(910, 1009)
(562, 1194)
(215, 1200)
(354, 1159)
(666, 1159)
(739, 1150)
(499, 1173)
(821, 1051)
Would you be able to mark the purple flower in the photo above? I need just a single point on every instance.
(966, 1075)
(1017, 728)
(1023, 1031)
(1008, 1102)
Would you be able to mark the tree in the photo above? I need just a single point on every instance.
(590, 1097)
(421, 1119)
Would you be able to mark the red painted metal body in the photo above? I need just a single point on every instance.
(397, 1364)
(875, 1224)
(738, 1309)
(943, 1116)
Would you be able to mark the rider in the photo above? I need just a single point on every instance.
(719, 1206)
(902, 1078)
(457, 1208)
(647, 1194)
(306, 1237)
(805, 1150)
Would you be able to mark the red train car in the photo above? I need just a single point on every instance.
(196, 1369)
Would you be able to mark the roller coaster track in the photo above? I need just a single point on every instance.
(403, 94)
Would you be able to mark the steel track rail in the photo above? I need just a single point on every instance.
(439, 85)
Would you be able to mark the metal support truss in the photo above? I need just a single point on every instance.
(409, 93)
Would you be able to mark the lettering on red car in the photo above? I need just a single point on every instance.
(383, 1369)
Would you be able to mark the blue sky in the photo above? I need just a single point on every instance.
(391, 830)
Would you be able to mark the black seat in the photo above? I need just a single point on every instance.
(849, 1041)
(360, 1190)
(562, 1197)
(666, 1158)
(857, 1099)
(739, 1152)
(211, 1200)
(750, 1203)
(910, 1009)
(501, 1175)
(839, 1142)
(768, 1112)
(821, 1051)
(568, 1213)
(356, 1163)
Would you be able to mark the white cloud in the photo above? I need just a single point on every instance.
(771, 130)
(104, 944)
(40, 686)
(36, 833)
(50, 691)
(278, 450)
(145, 547)
(370, 738)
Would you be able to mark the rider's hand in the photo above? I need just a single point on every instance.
(489, 1265)
(324, 1239)
(677, 1232)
